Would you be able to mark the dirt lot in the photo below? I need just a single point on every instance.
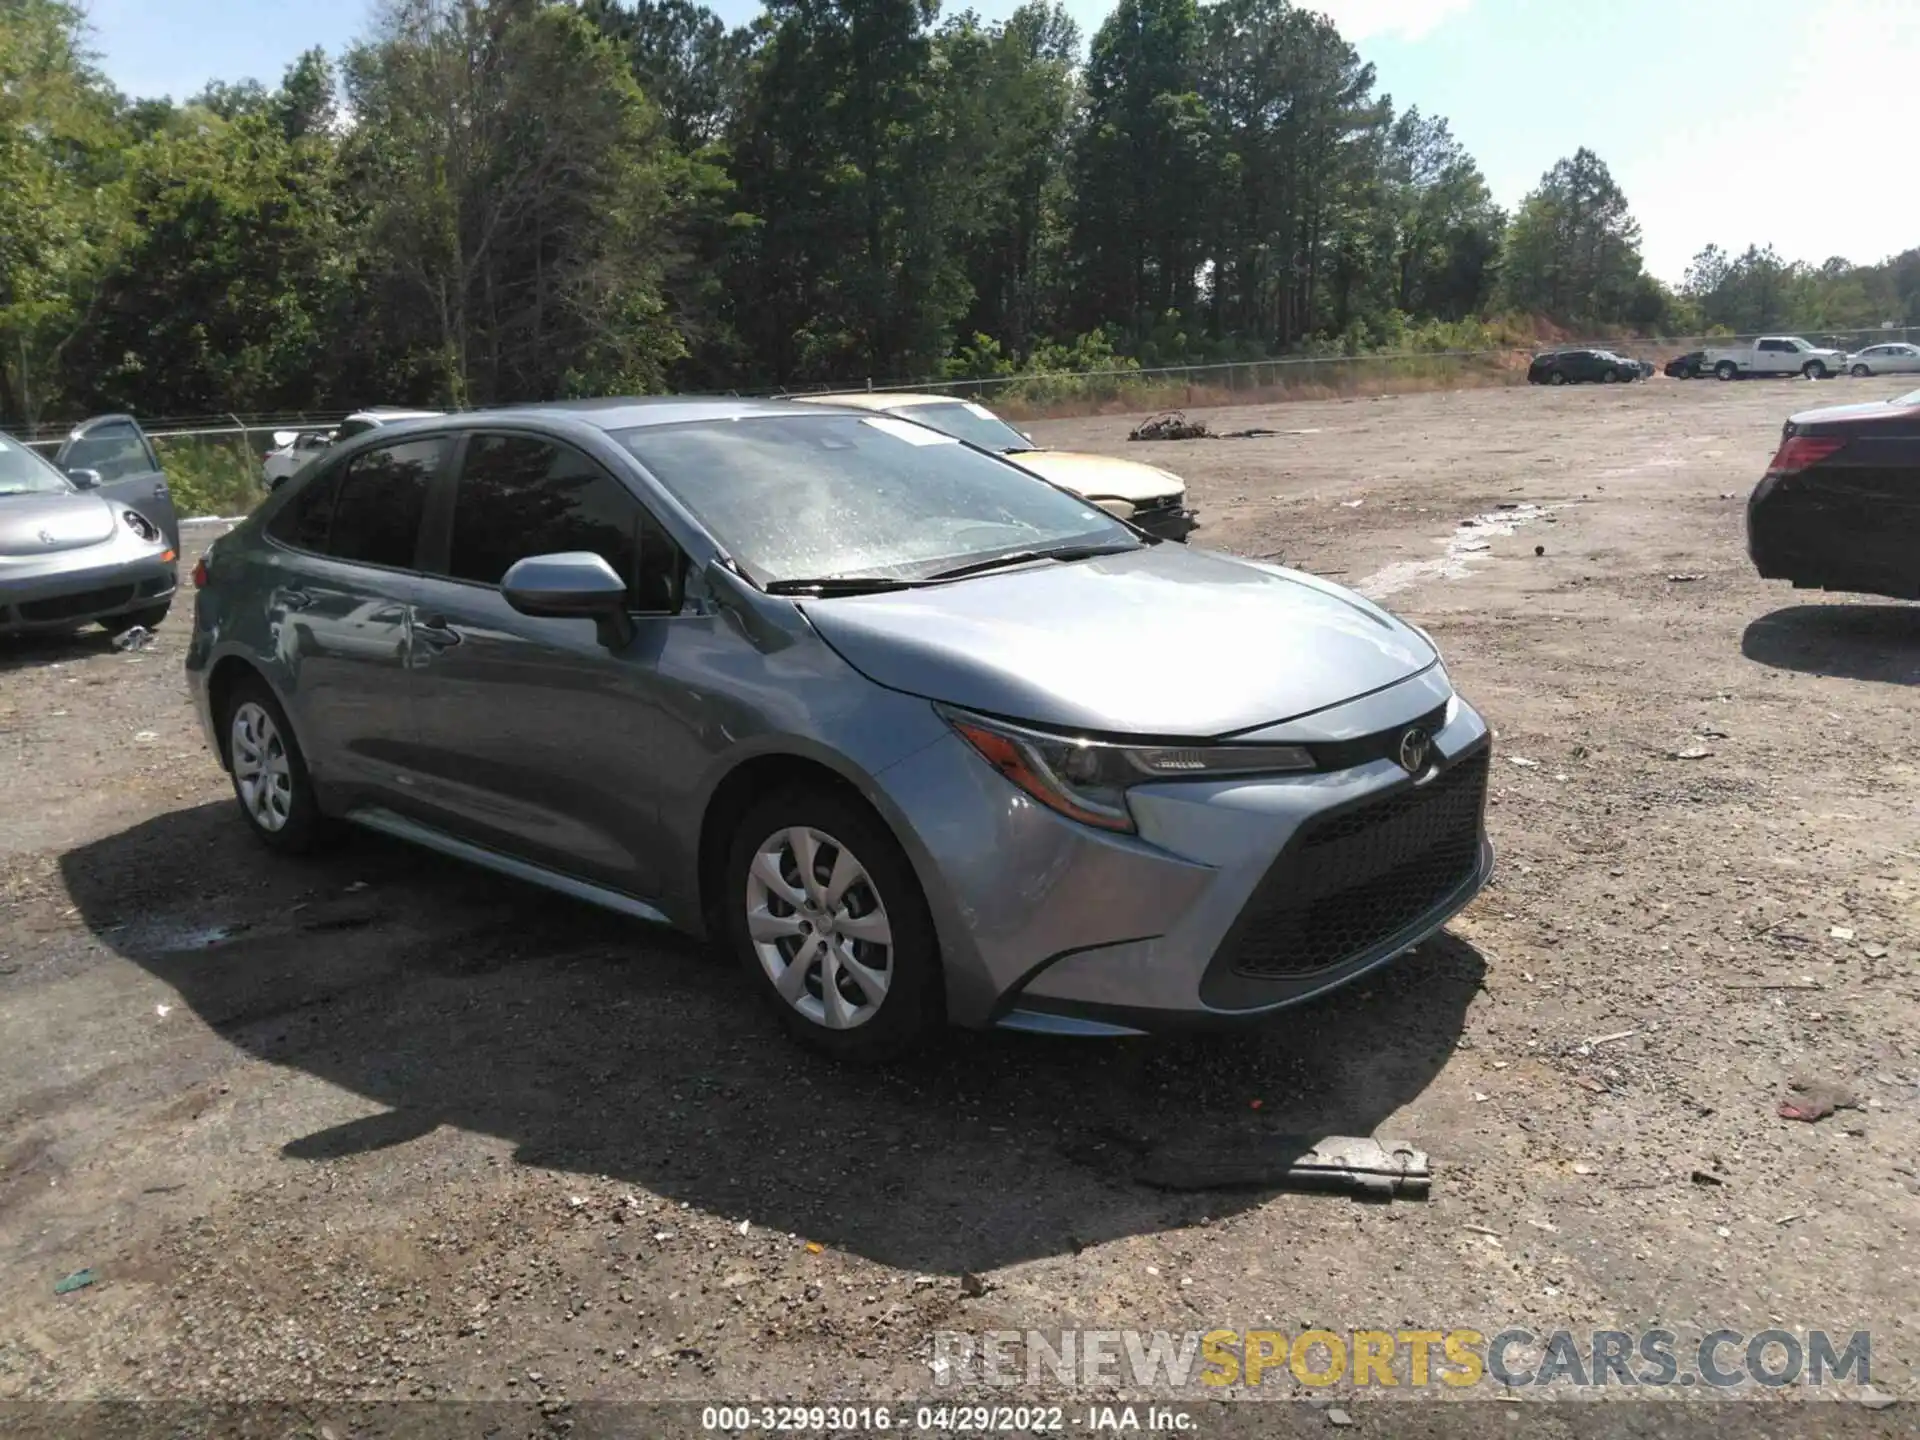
(379, 1126)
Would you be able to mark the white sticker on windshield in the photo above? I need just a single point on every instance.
(908, 431)
(982, 411)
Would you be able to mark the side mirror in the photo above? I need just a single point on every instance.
(283, 438)
(576, 585)
(86, 479)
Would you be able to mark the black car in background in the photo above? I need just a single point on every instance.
(1578, 367)
(1839, 508)
(1690, 366)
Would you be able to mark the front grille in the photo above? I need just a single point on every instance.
(1353, 880)
(159, 585)
(71, 607)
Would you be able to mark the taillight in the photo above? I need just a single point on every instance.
(200, 573)
(1797, 452)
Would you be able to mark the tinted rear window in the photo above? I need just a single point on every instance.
(367, 511)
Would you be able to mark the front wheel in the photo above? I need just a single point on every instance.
(1612, 377)
(1726, 370)
(1814, 370)
(1556, 378)
(1861, 372)
(826, 915)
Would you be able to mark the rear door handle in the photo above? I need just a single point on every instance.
(435, 630)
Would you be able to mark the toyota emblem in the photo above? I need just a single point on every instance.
(1416, 751)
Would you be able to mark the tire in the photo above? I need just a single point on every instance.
(1726, 370)
(786, 961)
(271, 783)
(1556, 378)
(148, 618)
(1610, 377)
(1861, 372)
(1814, 370)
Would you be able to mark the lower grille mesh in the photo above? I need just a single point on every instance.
(1349, 882)
(66, 607)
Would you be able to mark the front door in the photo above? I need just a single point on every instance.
(344, 578)
(536, 739)
(118, 450)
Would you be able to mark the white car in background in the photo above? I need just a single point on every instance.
(292, 449)
(1893, 358)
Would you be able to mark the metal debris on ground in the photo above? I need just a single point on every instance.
(1170, 425)
(78, 1280)
(134, 637)
(1383, 1169)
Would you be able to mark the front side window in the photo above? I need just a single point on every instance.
(115, 449)
(24, 473)
(520, 496)
(795, 498)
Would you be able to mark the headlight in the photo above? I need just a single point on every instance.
(140, 525)
(1087, 780)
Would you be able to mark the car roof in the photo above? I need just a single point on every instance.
(879, 399)
(633, 412)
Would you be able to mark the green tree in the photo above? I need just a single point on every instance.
(1573, 250)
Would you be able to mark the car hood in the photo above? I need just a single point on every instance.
(1164, 641)
(1100, 477)
(46, 524)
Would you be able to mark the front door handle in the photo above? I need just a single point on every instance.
(435, 630)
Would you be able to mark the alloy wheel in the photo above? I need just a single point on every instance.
(819, 927)
(261, 770)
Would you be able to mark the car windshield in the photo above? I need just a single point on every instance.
(967, 421)
(843, 497)
(1911, 398)
(24, 473)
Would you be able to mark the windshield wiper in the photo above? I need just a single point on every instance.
(1026, 557)
(839, 585)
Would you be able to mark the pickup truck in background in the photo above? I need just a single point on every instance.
(1774, 355)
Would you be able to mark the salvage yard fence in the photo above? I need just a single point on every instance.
(214, 461)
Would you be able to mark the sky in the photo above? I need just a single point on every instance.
(1760, 122)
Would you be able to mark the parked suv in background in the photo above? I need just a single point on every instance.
(1576, 367)
(293, 449)
(913, 734)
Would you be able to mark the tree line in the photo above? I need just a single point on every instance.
(494, 200)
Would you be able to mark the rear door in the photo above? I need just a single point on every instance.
(117, 448)
(345, 572)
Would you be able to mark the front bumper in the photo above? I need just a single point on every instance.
(53, 596)
(1168, 519)
(1238, 898)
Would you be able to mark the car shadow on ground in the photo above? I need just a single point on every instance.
(1878, 642)
(451, 997)
(49, 647)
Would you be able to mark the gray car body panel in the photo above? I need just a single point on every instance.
(528, 741)
(62, 549)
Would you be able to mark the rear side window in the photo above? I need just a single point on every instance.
(367, 511)
(520, 496)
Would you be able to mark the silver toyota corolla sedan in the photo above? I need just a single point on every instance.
(914, 734)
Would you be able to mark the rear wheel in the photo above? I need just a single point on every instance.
(825, 913)
(1611, 377)
(1814, 370)
(1861, 372)
(1726, 370)
(270, 778)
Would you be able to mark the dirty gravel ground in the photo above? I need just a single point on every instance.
(379, 1126)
